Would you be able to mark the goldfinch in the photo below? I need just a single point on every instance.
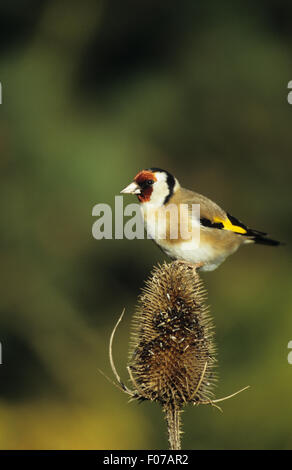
(220, 234)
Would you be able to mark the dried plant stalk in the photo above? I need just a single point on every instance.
(173, 418)
(172, 351)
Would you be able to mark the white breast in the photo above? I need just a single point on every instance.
(189, 250)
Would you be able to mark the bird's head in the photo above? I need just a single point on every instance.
(153, 185)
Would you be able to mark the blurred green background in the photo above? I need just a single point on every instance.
(94, 91)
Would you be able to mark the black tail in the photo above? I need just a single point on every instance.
(261, 237)
(255, 235)
(262, 240)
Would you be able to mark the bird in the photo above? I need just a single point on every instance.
(220, 233)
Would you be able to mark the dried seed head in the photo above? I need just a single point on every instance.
(172, 352)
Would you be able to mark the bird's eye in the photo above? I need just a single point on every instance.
(149, 182)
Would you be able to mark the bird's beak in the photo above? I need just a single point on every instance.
(133, 188)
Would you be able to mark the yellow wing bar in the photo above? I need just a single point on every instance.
(227, 225)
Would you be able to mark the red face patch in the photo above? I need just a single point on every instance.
(142, 179)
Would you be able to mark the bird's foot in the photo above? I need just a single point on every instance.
(194, 266)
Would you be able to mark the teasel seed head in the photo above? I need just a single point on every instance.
(172, 354)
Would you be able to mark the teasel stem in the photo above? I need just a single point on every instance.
(173, 419)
